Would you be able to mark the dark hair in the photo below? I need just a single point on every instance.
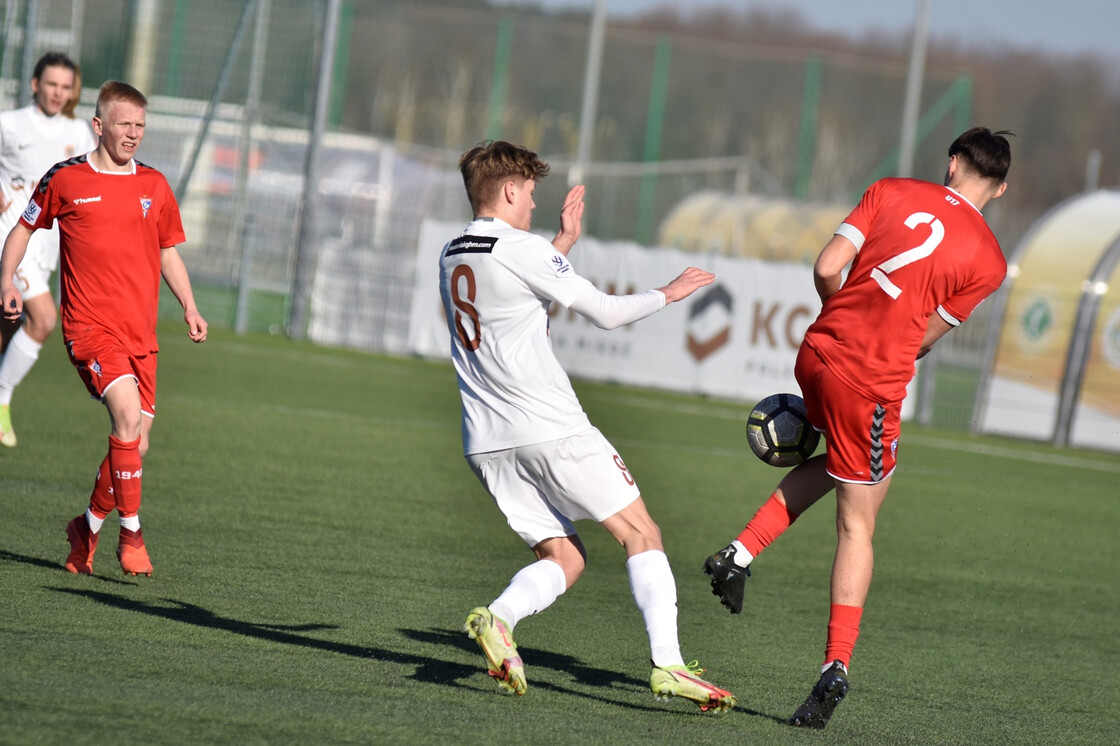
(53, 59)
(488, 165)
(115, 90)
(985, 152)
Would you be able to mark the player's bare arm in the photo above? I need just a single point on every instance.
(15, 246)
(828, 271)
(686, 283)
(936, 328)
(174, 273)
(571, 220)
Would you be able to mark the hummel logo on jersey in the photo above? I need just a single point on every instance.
(560, 265)
(83, 200)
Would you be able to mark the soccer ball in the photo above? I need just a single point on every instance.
(779, 432)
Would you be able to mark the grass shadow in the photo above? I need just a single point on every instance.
(611, 687)
(431, 670)
(6, 556)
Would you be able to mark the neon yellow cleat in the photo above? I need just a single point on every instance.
(496, 641)
(685, 681)
(7, 434)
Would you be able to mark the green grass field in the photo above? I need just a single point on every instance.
(318, 539)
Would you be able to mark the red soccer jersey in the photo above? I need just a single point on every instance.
(923, 249)
(112, 227)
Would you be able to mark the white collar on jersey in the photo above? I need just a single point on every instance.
(966, 199)
(130, 172)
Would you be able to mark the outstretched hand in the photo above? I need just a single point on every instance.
(571, 220)
(686, 283)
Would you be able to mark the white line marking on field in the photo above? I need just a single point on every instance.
(1052, 458)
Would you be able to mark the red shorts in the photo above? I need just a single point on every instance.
(861, 435)
(102, 360)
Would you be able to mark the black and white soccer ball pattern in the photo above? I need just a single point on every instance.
(779, 432)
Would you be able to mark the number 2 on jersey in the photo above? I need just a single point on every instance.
(936, 235)
(465, 306)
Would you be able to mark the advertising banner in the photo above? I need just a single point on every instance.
(1096, 419)
(1046, 287)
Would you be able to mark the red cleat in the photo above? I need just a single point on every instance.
(83, 543)
(133, 554)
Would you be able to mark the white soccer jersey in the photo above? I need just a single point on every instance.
(30, 143)
(497, 283)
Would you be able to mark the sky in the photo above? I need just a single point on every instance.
(1068, 27)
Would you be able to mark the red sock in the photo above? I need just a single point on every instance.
(102, 502)
(843, 629)
(126, 468)
(768, 524)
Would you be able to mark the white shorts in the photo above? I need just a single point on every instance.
(541, 489)
(33, 275)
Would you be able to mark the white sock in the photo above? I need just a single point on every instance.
(22, 353)
(132, 522)
(655, 592)
(742, 557)
(531, 591)
(94, 522)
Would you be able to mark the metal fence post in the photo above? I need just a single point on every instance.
(215, 99)
(307, 248)
(240, 229)
(27, 64)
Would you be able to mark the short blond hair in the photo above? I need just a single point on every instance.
(115, 90)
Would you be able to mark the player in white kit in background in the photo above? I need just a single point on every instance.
(32, 140)
(525, 434)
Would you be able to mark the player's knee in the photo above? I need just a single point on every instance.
(573, 568)
(646, 529)
(634, 528)
(40, 327)
(568, 552)
(642, 537)
(855, 527)
(127, 429)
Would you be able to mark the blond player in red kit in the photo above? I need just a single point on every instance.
(119, 225)
(922, 258)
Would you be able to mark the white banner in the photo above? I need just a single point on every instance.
(737, 338)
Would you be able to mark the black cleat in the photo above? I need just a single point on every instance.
(819, 705)
(728, 579)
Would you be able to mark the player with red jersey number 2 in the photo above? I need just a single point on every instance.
(922, 258)
(525, 434)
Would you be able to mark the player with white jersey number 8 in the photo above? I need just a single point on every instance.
(525, 434)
